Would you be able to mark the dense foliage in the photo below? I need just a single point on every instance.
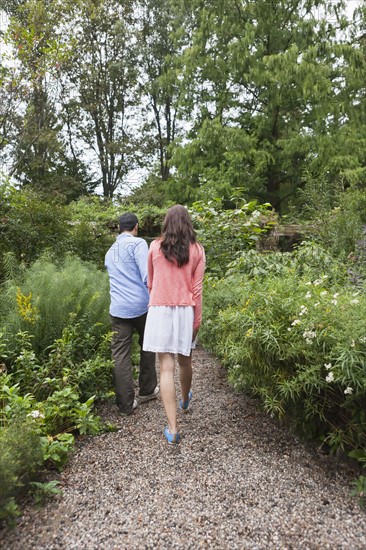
(226, 232)
(291, 328)
(32, 222)
(55, 362)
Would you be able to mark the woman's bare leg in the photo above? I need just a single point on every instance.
(185, 374)
(167, 389)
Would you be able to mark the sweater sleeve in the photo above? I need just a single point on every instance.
(150, 268)
(197, 288)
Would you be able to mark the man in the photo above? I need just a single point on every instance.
(126, 263)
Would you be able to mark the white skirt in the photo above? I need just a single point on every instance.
(169, 329)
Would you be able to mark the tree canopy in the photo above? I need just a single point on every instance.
(204, 98)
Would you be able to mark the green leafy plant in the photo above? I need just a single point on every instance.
(42, 302)
(41, 492)
(13, 405)
(56, 448)
(60, 407)
(359, 489)
(224, 233)
(30, 224)
(335, 217)
(20, 460)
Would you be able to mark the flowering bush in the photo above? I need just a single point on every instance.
(225, 233)
(298, 341)
(43, 299)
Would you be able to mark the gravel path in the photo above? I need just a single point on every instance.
(238, 480)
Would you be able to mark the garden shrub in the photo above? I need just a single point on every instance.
(20, 460)
(307, 259)
(81, 358)
(52, 400)
(150, 218)
(41, 300)
(226, 233)
(335, 216)
(55, 357)
(296, 339)
(31, 223)
(93, 222)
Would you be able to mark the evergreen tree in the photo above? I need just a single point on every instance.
(262, 78)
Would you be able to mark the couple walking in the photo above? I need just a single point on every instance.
(158, 293)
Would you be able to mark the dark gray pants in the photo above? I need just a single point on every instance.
(121, 353)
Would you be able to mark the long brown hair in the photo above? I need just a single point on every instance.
(177, 235)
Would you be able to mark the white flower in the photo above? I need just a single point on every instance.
(36, 414)
(328, 365)
(309, 335)
(304, 310)
(355, 301)
(317, 282)
(296, 322)
(308, 295)
(330, 377)
(348, 390)
(289, 329)
(336, 295)
(353, 344)
(317, 304)
(334, 302)
(308, 283)
(256, 214)
(363, 339)
(323, 293)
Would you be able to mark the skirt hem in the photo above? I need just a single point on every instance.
(156, 350)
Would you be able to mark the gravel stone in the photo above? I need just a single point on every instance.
(238, 480)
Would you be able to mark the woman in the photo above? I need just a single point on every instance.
(176, 265)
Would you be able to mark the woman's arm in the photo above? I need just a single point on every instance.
(198, 275)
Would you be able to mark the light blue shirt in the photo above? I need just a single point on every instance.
(126, 263)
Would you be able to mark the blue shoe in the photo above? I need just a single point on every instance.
(172, 439)
(184, 406)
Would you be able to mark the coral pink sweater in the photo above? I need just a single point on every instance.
(170, 285)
